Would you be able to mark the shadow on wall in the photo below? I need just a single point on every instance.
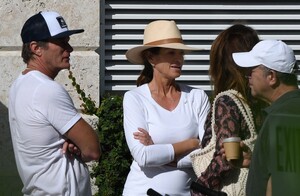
(10, 182)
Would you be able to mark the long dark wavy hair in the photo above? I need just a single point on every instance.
(225, 73)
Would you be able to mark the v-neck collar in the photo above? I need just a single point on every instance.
(181, 99)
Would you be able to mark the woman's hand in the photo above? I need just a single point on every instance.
(143, 136)
(247, 154)
(244, 161)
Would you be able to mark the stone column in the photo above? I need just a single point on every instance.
(85, 64)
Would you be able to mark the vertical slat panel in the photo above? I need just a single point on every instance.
(199, 21)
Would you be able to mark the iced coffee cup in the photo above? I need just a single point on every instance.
(232, 148)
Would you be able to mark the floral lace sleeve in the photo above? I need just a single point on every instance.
(228, 122)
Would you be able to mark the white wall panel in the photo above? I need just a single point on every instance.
(200, 22)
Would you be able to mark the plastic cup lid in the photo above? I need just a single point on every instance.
(232, 139)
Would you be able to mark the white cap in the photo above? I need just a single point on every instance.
(273, 54)
(46, 25)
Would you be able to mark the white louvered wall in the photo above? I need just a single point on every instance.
(123, 22)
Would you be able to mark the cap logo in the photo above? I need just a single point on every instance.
(61, 22)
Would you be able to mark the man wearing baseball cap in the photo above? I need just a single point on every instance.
(275, 165)
(51, 140)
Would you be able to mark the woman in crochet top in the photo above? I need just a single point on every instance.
(229, 121)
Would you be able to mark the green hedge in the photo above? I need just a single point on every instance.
(114, 163)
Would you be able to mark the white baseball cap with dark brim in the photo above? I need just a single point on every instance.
(45, 25)
(159, 33)
(273, 54)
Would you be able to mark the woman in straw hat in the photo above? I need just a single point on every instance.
(163, 120)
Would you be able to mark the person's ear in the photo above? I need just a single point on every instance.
(35, 48)
(150, 58)
(272, 77)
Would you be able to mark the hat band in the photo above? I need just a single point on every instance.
(165, 41)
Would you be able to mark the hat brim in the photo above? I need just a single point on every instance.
(134, 56)
(68, 33)
(245, 59)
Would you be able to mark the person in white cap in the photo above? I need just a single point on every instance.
(271, 66)
(43, 119)
(163, 119)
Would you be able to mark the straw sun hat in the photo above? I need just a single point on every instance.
(160, 33)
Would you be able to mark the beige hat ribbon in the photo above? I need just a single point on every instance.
(165, 41)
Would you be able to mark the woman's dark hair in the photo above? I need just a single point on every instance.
(147, 73)
(27, 54)
(225, 73)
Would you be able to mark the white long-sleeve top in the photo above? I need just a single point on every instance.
(149, 169)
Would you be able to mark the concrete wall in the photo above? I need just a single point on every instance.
(85, 64)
